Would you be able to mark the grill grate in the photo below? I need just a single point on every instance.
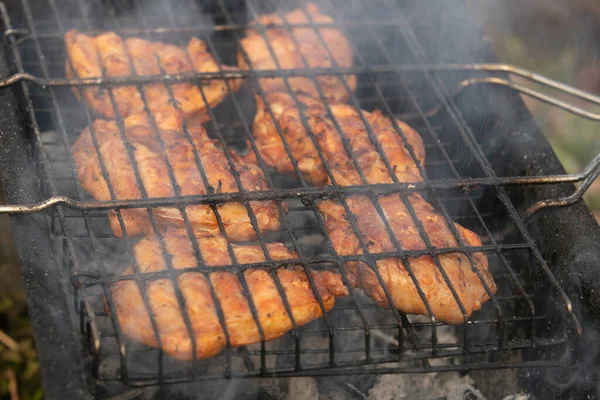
(356, 336)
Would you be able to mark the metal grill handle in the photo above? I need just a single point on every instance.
(591, 172)
(586, 177)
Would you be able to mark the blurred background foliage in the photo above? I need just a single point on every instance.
(19, 368)
(561, 40)
(557, 38)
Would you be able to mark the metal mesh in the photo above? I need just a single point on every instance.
(356, 336)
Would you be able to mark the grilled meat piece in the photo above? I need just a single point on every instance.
(289, 123)
(151, 158)
(289, 48)
(395, 273)
(234, 302)
(470, 289)
(110, 55)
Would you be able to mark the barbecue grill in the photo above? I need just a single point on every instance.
(488, 169)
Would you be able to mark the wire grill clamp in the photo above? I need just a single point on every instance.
(586, 177)
(409, 344)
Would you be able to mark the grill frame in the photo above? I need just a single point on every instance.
(28, 261)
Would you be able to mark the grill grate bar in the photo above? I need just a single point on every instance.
(238, 267)
(446, 349)
(367, 306)
(365, 369)
(146, 31)
(300, 193)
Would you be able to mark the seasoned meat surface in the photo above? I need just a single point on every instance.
(207, 329)
(110, 55)
(153, 150)
(396, 275)
(289, 124)
(286, 47)
(468, 284)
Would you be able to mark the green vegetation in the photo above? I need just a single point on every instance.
(575, 140)
(19, 368)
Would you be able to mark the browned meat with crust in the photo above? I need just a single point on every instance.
(285, 111)
(209, 333)
(395, 275)
(110, 55)
(151, 159)
(394, 272)
(300, 48)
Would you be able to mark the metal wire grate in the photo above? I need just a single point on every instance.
(356, 336)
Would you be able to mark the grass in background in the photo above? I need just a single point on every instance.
(575, 140)
(19, 368)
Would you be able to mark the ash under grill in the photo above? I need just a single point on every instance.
(356, 337)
